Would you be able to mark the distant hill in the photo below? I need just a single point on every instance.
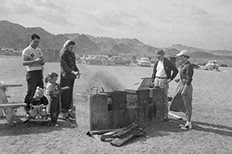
(15, 36)
(202, 53)
(184, 47)
(222, 52)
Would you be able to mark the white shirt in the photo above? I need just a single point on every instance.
(33, 54)
(160, 69)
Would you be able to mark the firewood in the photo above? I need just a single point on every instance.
(100, 132)
(118, 132)
(120, 141)
(125, 130)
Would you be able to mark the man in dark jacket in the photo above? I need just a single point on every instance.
(164, 71)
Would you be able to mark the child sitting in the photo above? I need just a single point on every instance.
(35, 104)
(39, 97)
(53, 91)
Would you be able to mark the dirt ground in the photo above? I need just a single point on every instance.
(212, 112)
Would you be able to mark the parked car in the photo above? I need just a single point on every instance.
(212, 65)
(99, 60)
(223, 65)
(195, 66)
(144, 62)
(119, 61)
(83, 57)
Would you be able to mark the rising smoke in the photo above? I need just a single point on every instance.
(104, 81)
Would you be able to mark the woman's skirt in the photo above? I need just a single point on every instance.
(178, 104)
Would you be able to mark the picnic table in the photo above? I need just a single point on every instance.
(7, 109)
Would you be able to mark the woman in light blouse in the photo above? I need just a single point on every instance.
(182, 101)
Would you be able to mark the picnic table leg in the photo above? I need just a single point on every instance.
(11, 118)
(3, 99)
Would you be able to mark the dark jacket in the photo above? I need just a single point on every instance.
(186, 73)
(168, 67)
(67, 64)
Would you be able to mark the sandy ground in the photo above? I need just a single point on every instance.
(212, 112)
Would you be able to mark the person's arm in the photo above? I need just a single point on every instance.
(189, 75)
(154, 72)
(34, 62)
(27, 61)
(173, 69)
(75, 71)
(64, 63)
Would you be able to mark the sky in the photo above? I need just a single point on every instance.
(205, 24)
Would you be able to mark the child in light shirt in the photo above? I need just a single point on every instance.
(53, 91)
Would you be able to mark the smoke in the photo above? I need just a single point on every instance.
(105, 81)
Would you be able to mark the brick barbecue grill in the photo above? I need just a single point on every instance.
(117, 109)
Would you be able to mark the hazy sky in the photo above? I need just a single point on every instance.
(160, 23)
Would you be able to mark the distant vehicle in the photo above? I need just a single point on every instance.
(212, 65)
(195, 66)
(83, 57)
(144, 62)
(223, 65)
(119, 61)
(99, 60)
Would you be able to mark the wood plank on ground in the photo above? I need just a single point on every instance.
(120, 141)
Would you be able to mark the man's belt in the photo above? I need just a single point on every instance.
(161, 77)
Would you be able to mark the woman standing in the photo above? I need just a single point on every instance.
(69, 72)
(182, 101)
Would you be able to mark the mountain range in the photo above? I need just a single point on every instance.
(16, 36)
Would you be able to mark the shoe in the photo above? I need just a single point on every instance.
(27, 115)
(54, 124)
(166, 119)
(187, 126)
(69, 119)
(63, 115)
(71, 113)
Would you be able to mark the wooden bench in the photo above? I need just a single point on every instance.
(8, 109)
(12, 105)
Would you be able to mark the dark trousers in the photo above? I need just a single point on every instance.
(54, 109)
(67, 95)
(34, 79)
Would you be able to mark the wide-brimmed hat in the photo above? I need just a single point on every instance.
(183, 53)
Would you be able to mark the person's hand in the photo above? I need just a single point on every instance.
(39, 61)
(76, 73)
(65, 88)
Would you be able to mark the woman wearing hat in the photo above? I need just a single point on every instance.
(182, 101)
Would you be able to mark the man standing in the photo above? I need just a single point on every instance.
(164, 71)
(32, 58)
